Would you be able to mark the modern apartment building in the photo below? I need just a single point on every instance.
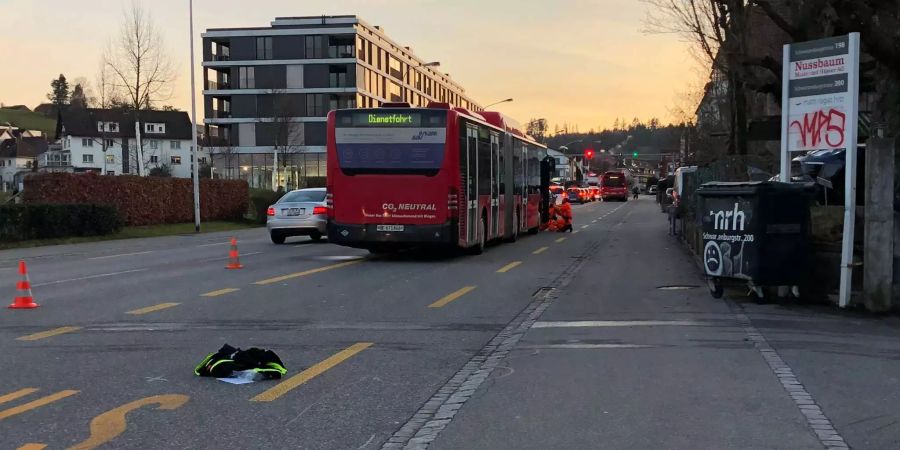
(268, 91)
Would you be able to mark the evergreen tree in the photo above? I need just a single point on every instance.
(59, 91)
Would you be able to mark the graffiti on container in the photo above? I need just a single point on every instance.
(814, 127)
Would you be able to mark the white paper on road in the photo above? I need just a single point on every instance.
(242, 377)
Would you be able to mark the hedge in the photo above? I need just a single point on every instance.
(24, 222)
(142, 200)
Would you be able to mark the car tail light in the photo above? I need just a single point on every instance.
(320, 210)
(270, 212)
(453, 199)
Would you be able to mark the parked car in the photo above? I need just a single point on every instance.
(651, 190)
(301, 212)
(575, 195)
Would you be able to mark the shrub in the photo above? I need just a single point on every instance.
(44, 221)
(142, 200)
(260, 200)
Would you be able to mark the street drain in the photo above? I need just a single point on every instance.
(678, 287)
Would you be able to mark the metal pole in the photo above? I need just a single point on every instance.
(785, 175)
(195, 166)
(850, 175)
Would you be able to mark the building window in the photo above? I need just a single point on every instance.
(113, 126)
(110, 172)
(87, 142)
(247, 78)
(315, 105)
(175, 145)
(337, 76)
(314, 46)
(176, 160)
(202, 159)
(394, 68)
(154, 159)
(154, 128)
(109, 143)
(154, 144)
(87, 159)
(110, 159)
(263, 48)
(99, 126)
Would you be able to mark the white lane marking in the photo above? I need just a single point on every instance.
(618, 323)
(89, 277)
(122, 254)
(582, 346)
(214, 243)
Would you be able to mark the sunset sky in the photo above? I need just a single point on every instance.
(583, 62)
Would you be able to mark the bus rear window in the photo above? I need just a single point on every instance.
(365, 150)
(613, 181)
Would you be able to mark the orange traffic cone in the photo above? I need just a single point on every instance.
(23, 298)
(234, 261)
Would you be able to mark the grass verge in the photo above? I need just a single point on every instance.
(136, 232)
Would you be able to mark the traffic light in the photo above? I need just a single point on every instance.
(589, 153)
(634, 155)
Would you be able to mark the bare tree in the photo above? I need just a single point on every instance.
(138, 64)
(537, 128)
(717, 30)
(288, 133)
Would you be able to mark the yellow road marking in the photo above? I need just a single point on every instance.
(540, 250)
(219, 292)
(151, 309)
(319, 368)
(17, 394)
(307, 272)
(48, 333)
(560, 240)
(509, 267)
(33, 447)
(7, 413)
(111, 424)
(449, 298)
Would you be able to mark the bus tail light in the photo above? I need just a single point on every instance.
(320, 210)
(270, 212)
(329, 205)
(453, 199)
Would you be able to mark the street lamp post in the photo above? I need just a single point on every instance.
(195, 166)
(497, 103)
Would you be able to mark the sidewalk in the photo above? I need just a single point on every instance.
(617, 362)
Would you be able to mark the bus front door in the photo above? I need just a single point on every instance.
(495, 184)
(472, 218)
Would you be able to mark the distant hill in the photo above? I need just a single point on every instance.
(28, 120)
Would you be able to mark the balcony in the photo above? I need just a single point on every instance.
(215, 86)
(221, 114)
(222, 57)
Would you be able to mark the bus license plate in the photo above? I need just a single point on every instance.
(389, 227)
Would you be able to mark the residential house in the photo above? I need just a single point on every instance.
(105, 141)
(17, 157)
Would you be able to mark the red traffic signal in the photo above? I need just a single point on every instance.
(589, 153)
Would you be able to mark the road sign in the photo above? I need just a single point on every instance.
(820, 110)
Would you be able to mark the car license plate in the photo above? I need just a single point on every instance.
(389, 228)
(296, 211)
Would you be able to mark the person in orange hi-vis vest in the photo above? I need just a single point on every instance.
(565, 212)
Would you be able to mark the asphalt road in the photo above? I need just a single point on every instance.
(555, 341)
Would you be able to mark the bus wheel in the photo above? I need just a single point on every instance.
(482, 230)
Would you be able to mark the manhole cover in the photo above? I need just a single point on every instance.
(678, 287)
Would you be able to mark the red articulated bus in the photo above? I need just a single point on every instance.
(400, 176)
(614, 185)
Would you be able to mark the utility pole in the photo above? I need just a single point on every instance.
(195, 164)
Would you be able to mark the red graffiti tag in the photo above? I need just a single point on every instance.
(814, 127)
